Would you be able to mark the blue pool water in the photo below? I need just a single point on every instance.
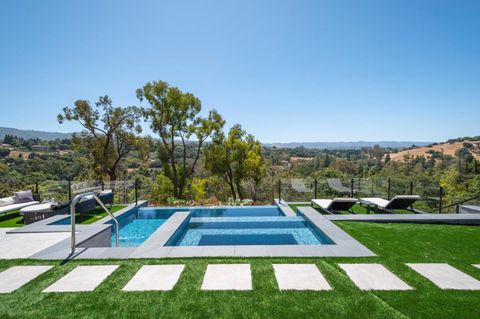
(258, 225)
(249, 231)
(137, 227)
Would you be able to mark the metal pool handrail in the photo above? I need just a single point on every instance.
(72, 219)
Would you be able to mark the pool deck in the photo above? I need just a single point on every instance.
(154, 246)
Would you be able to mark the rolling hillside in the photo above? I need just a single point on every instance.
(30, 134)
(446, 148)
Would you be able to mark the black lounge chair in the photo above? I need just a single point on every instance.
(397, 202)
(331, 206)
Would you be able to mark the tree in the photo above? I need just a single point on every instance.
(4, 152)
(174, 116)
(109, 135)
(234, 158)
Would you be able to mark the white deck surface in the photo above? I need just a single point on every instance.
(300, 277)
(227, 277)
(155, 277)
(373, 277)
(446, 276)
(13, 246)
(16, 277)
(82, 278)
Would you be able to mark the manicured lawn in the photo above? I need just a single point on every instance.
(13, 219)
(395, 245)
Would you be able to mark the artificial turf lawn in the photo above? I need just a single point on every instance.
(13, 219)
(395, 244)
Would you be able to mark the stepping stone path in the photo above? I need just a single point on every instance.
(239, 277)
(446, 276)
(227, 277)
(16, 277)
(300, 277)
(82, 278)
(373, 277)
(155, 277)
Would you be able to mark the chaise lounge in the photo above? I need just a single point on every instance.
(332, 206)
(398, 202)
(18, 201)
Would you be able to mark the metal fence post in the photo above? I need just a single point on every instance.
(411, 188)
(389, 188)
(279, 190)
(136, 192)
(103, 185)
(351, 188)
(315, 187)
(440, 200)
(69, 185)
(36, 186)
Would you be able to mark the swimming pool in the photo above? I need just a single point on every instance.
(137, 227)
(249, 231)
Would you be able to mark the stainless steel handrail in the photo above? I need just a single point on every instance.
(72, 219)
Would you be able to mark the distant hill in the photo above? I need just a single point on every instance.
(445, 148)
(347, 145)
(30, 134)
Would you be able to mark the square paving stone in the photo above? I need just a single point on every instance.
(373, 277)
(300, 277)
(16, 277)
(446, 276)
(82, 278)
(155, 277)
(227, 277)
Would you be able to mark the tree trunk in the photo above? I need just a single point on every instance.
(239, 189)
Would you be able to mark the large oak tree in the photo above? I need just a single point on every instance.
(109, 133)
(175, 117)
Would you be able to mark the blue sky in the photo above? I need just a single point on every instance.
(285, 70)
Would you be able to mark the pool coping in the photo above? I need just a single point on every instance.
(153, 247)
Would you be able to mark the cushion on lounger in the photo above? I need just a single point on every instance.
(7, 201)
(61, 205)
(23, 197)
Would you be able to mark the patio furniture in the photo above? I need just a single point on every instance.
(336, 185)
(18, 201)
(106, 196)
(398, 202)
(34, 213)
(86, 204)
(331, 206)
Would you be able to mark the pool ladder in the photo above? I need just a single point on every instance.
(74, 202)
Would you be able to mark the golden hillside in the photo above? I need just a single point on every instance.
(446, 148)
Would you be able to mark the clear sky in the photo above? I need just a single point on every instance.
(286, 70)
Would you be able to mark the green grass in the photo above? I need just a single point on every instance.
(395, 245)
(13, 219)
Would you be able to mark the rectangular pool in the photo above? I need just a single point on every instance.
(137, 227)
(249, 231)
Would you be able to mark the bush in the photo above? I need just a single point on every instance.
(162, 189)
(4, 152)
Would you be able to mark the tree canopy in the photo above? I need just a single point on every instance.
(110, 133)
(174, 116)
